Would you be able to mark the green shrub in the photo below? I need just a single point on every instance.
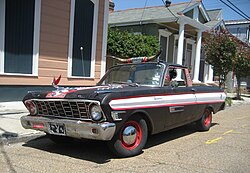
(229, 101)
(125, 44)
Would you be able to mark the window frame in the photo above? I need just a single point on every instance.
(191, 42)
(94, 39)
(165, 34)
(36, 39)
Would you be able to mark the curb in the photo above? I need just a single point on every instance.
(21, 138)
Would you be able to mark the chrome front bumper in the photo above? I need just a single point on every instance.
(74, 128)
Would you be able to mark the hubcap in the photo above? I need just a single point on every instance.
(129, 135)
(207, 119)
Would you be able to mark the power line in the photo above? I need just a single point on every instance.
(239, 9)
(235, 10)
(146, 1)
(169, 9)
(187, 5)
(217, 4)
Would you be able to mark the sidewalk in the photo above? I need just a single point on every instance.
(11, 129)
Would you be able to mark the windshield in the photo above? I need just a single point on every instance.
(139, 74)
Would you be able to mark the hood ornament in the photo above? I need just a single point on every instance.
(55, 82)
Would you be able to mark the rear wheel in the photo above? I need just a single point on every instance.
(130, 139)
(205, 122)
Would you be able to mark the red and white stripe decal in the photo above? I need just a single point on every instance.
(166, 100)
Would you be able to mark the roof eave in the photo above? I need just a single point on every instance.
(193, 22)
(164, 20)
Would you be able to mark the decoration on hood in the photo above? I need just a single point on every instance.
(55, 82)
(136, 59)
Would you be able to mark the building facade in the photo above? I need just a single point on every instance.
(241, 30)
(43, 39)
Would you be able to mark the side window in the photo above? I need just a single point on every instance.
(175, 77)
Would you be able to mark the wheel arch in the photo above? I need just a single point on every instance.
(146, 117)
(210, 107)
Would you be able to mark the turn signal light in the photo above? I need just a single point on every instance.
(38, 125)
(31, 107)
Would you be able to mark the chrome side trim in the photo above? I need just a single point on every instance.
(116, 115)
(174, 109)
(74, 128)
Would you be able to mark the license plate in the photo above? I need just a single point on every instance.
(58, 129)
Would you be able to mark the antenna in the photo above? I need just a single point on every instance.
(83, 71)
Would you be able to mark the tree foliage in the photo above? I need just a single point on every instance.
(241, 66)
(220, 51)
(125, 44)
(227, 53)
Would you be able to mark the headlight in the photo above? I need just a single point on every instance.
(31, 107)
(96, 113)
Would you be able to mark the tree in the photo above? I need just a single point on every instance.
(241, 65)
(125, 44)
(220, 51)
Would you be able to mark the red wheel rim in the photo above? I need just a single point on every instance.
(138, 137)
(207, 118)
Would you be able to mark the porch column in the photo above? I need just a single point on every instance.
(210, 74)
(180, 44)
(180, 48)
(197, 57)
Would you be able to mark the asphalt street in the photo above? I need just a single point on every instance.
(225, 148)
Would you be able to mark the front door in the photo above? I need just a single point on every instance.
(182, 100)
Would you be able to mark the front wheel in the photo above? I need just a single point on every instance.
(130, 139)
(205, 122)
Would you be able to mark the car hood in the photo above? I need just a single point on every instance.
(92, 93)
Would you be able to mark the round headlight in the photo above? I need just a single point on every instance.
(31, 107)
(96, 113)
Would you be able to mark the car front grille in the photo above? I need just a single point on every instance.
(69, 109)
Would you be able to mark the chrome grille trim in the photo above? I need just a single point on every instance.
(64, 108)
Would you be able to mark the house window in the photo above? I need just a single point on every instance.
(164, 41)
(82, 38)
(189, 56)
(20, 22)
(175, 49)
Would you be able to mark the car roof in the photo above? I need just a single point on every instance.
(153, 62)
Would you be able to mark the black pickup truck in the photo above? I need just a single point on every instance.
(129, 103)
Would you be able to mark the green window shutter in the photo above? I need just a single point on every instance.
(82, 37)
(19, 31)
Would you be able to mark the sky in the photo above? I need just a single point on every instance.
(228, 14)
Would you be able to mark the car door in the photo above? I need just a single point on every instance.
(182, 107)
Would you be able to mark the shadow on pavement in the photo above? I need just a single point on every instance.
(94, 151)
(7, 134)
(98, 151)
(172, 134)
